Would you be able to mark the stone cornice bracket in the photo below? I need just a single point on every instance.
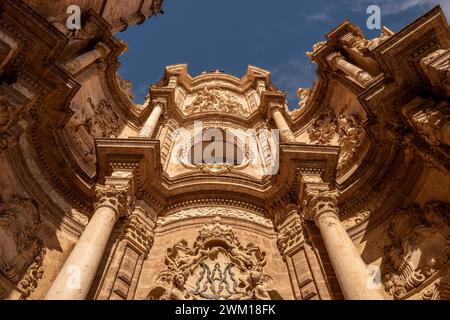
(159, 98)
(320, 202)
(117, 193)
(271, 101)
(317, 48)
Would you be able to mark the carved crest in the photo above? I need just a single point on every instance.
(216, 267)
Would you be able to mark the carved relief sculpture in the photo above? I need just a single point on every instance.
(346, 127)
(208, 100)
(216, 267)
(420, 247)
(21, 251)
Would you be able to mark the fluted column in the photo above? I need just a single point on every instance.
(337, 61)
(350, 269)
(151, 122)
(101, 50)
(75, 278)
(285, 132)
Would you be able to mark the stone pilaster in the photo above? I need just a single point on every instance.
(123, 271)
(306, 277)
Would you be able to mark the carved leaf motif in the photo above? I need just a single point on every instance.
(215, 211)
(290, 236)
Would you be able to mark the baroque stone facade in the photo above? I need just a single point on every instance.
(214, 188)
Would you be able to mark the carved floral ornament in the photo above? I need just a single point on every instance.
(290, 236)
(139, 233)
(346, 127)
(216, 267)
(436, 66)
(116, 197)
(8, 118)
(358, 43)
(420, 248)
(319, 203)
(89, 121)
(433, 124)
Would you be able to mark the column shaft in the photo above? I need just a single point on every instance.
(350, 270)
(150, 125)
(74, 280)
(338, 61)
(285, 132)
(82, 61)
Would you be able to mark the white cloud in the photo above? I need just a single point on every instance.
(292, 74)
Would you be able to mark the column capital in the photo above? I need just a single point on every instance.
(114, 197)
(103, 48)
(159, 102)
(319, 202)
(335, 57)
(274, 107)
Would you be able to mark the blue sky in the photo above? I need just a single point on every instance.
(231, 34)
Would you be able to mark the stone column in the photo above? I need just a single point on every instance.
(285, 132)
(350, 269)
(100, 51)
(75, 278)
(337, 61)
(159, 105)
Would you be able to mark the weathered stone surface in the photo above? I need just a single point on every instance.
(345, 197)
